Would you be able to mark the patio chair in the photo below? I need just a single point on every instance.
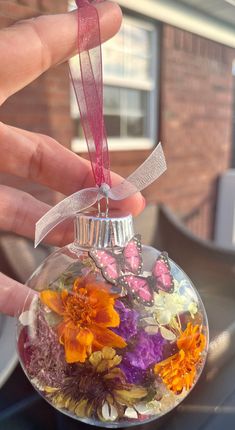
(206, 263)
(18, 258)
(211, 404)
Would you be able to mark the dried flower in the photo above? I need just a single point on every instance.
(98, 388)
(148, 350)
(164, 401)
(128, 321)
(87, 314)
(47, 361)
(178, 372)
(167, 306)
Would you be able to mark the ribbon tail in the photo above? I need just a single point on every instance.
(87, 79)
(64, 210)
(153, 167)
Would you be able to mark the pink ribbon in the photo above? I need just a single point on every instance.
(88, 86)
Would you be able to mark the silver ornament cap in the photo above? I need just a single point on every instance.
(101, 231)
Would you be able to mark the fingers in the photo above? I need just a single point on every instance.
(30, 47)
(42, 159)
(14, 296)
(20, 211)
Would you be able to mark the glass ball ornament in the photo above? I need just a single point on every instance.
(116, 334)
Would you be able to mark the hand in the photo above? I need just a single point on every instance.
(27, 49)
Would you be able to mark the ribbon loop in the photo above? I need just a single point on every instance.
(145, 175)
(88, 86)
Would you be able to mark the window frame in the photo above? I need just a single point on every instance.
(135, 143)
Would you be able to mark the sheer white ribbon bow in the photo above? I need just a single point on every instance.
(153, 167)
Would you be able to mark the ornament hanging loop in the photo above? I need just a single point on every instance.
(103, 193)
(106, 212)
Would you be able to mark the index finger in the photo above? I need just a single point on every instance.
(28, 48)
(14, 296)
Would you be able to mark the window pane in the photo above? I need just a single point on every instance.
(113, 125)
(112, 110)
(137, 40)
(113, 63)
(78, 130)
(111, 100)
(136, 109)
(128, 55)
(137, 68)
(135, 127)
(136, 101)
(125, 112)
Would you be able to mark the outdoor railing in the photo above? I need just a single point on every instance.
(201, 220)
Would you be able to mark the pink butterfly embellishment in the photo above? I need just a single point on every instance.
(139, 287)
(162, 277)
(108, 263)
(143, 288)
(125, 268)
(112, 265)
(132, 255)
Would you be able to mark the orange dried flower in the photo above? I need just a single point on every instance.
(87, 313)
(179, 371)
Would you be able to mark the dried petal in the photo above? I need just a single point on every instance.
(167, 334)
(52, 318)
(102, 366)
(109, 412)
(96, 358)
(143, 409)
(131, 413)
(150, 408)
(129, 397)
(53, 300)
(116, 361)
(128, 321)
(50, 390)
(165, 317)
(25, 318)
(152, 329)
(115, 374)
(108, 353)
(193, 308)
(81, 409)
(149, 320)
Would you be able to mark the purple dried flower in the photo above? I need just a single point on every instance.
(148, 350)
(47, 361)
(128, 321)
(133, 374)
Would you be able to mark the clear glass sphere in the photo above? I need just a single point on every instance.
(112, 354)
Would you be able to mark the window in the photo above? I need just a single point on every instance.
(130, 82)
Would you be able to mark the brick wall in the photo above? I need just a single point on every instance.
(196, 115)
(195, 123)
